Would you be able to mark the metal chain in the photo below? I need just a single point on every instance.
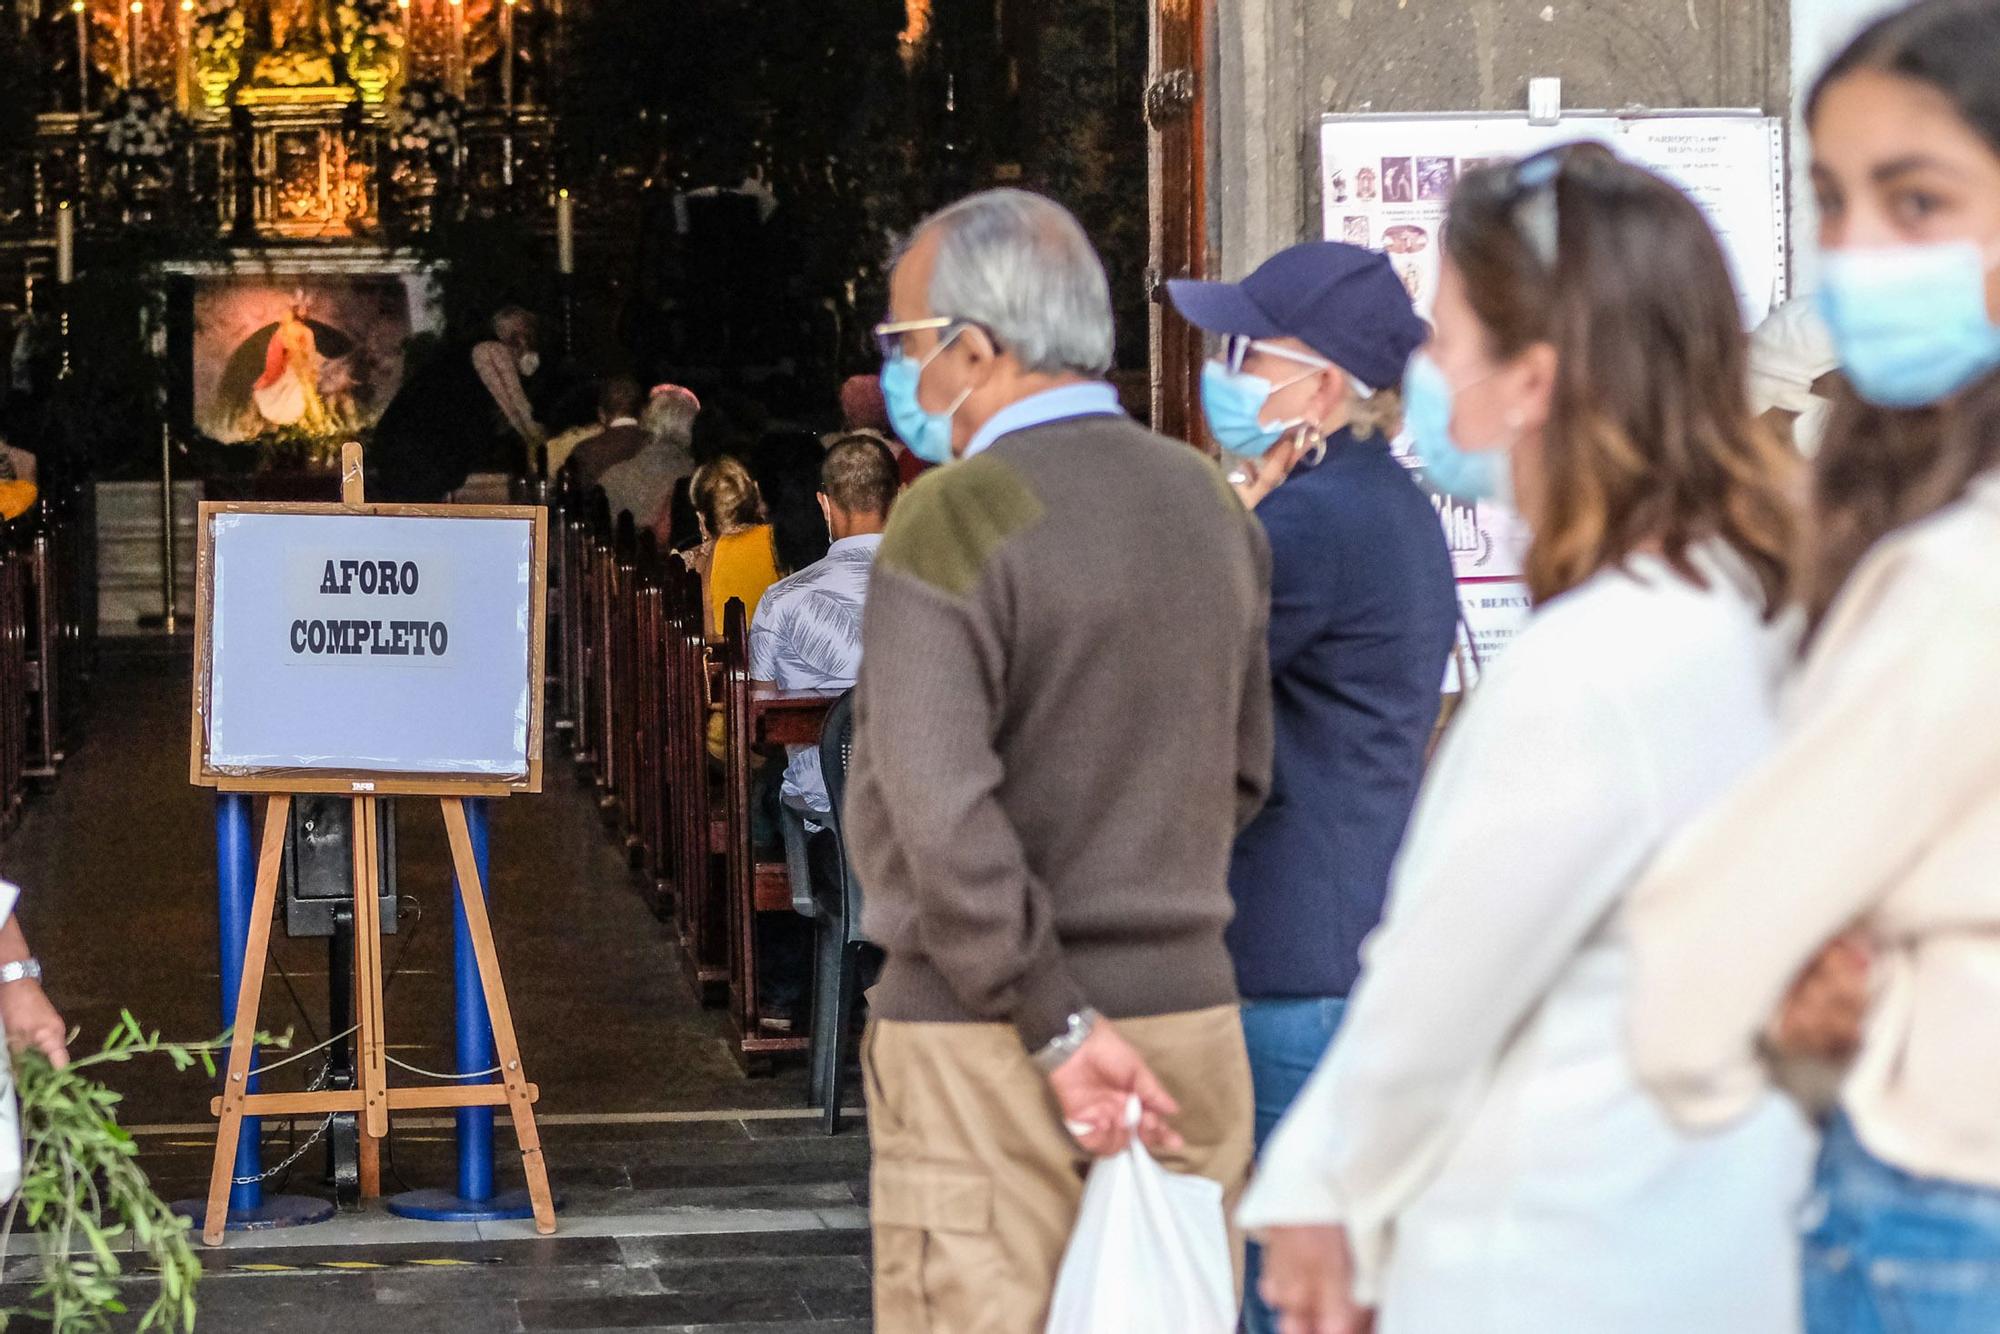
(318, 1081)
(313, 1085)
(290, 1158)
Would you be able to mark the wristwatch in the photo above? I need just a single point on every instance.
(1064, 1044)
(21, 970)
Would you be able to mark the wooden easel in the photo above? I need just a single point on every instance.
(372, 1098)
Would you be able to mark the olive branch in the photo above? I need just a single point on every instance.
(85, 1198)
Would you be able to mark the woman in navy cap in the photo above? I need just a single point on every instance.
(1303, 402)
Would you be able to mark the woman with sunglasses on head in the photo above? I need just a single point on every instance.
(1476, 1151)
(1303, 402)
(1879, 813)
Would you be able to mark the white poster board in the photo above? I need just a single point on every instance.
(370, 643)
(1386, 182)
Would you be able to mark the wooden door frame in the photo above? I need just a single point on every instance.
(1177, 121)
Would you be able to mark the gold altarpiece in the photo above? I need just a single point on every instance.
(295, 114)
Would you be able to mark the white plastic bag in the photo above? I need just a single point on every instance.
(1150, 1253)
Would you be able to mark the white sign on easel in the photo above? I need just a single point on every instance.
(372, 644)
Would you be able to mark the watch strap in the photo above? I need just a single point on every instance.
(1064, 1044)
(20, 970)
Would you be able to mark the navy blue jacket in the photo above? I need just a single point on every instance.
(1363, 612)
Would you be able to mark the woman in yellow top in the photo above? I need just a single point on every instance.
(735, 558)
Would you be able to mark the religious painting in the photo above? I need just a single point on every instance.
(318, 356)
(1435, 177)
(1398, 181)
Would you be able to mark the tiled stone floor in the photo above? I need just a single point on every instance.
(696, 1198)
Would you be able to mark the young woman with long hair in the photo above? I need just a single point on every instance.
(1879, 813)
(1476, 1151)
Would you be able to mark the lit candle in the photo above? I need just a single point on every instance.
(184, 55)
(137, 9)
(65, 243)
(507, 56)
(82, 55)
(457, 47)
(565, 233)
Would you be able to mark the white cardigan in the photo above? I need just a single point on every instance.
(1477, 1125)
(1882, 806)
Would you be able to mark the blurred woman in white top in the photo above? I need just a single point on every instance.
(1879, 815)
(1476, 1153)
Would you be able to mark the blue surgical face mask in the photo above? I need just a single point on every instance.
(1233, 402)
(928, 434)
(1452, 469)
(1909, 322)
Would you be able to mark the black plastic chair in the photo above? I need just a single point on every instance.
(837, 962)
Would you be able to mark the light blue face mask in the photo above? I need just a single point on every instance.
(1233, 402)
(1909, 322)
(928, 434)
(1456, 471)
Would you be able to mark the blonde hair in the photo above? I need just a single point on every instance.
(726, 497)
(1379, 413)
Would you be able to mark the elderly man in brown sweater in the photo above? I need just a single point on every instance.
(1064, 719)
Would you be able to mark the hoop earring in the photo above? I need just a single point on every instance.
(1314, 452)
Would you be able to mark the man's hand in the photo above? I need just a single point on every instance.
(1822, 1016)
(1308, 1280)
(32, 1021)
(1095, 1084)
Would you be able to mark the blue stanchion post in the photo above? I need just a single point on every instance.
(236, 891)
(236, 898)
(474, 1030)
(475, 1199)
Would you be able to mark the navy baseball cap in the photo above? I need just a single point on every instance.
(1343, 302)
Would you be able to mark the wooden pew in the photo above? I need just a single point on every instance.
(700, 913)
(618, 745)
(755, 722)
(566, 520)
(648, 801)
(16, 708)
(593, 634)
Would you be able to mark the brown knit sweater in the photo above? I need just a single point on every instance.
(1064, 718)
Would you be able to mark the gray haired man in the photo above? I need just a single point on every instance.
(1064, 719)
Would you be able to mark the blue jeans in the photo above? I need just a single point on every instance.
(1286, 1038)
(1893, 1253)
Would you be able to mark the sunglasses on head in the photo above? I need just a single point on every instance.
(1532, 203)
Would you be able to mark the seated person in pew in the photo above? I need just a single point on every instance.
(18, 490)
(644, 481)
(736, 558)
(807, 636)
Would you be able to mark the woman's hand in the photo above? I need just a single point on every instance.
(1255, 480)
(1823, 1014)
(32, 1021)
(1308, 1280)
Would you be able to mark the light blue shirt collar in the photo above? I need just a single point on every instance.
(1093, 398)
(860, 542)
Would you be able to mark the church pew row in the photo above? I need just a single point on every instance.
(47, 628)
(637, 682)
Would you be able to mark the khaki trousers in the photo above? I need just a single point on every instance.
(975, 1184)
